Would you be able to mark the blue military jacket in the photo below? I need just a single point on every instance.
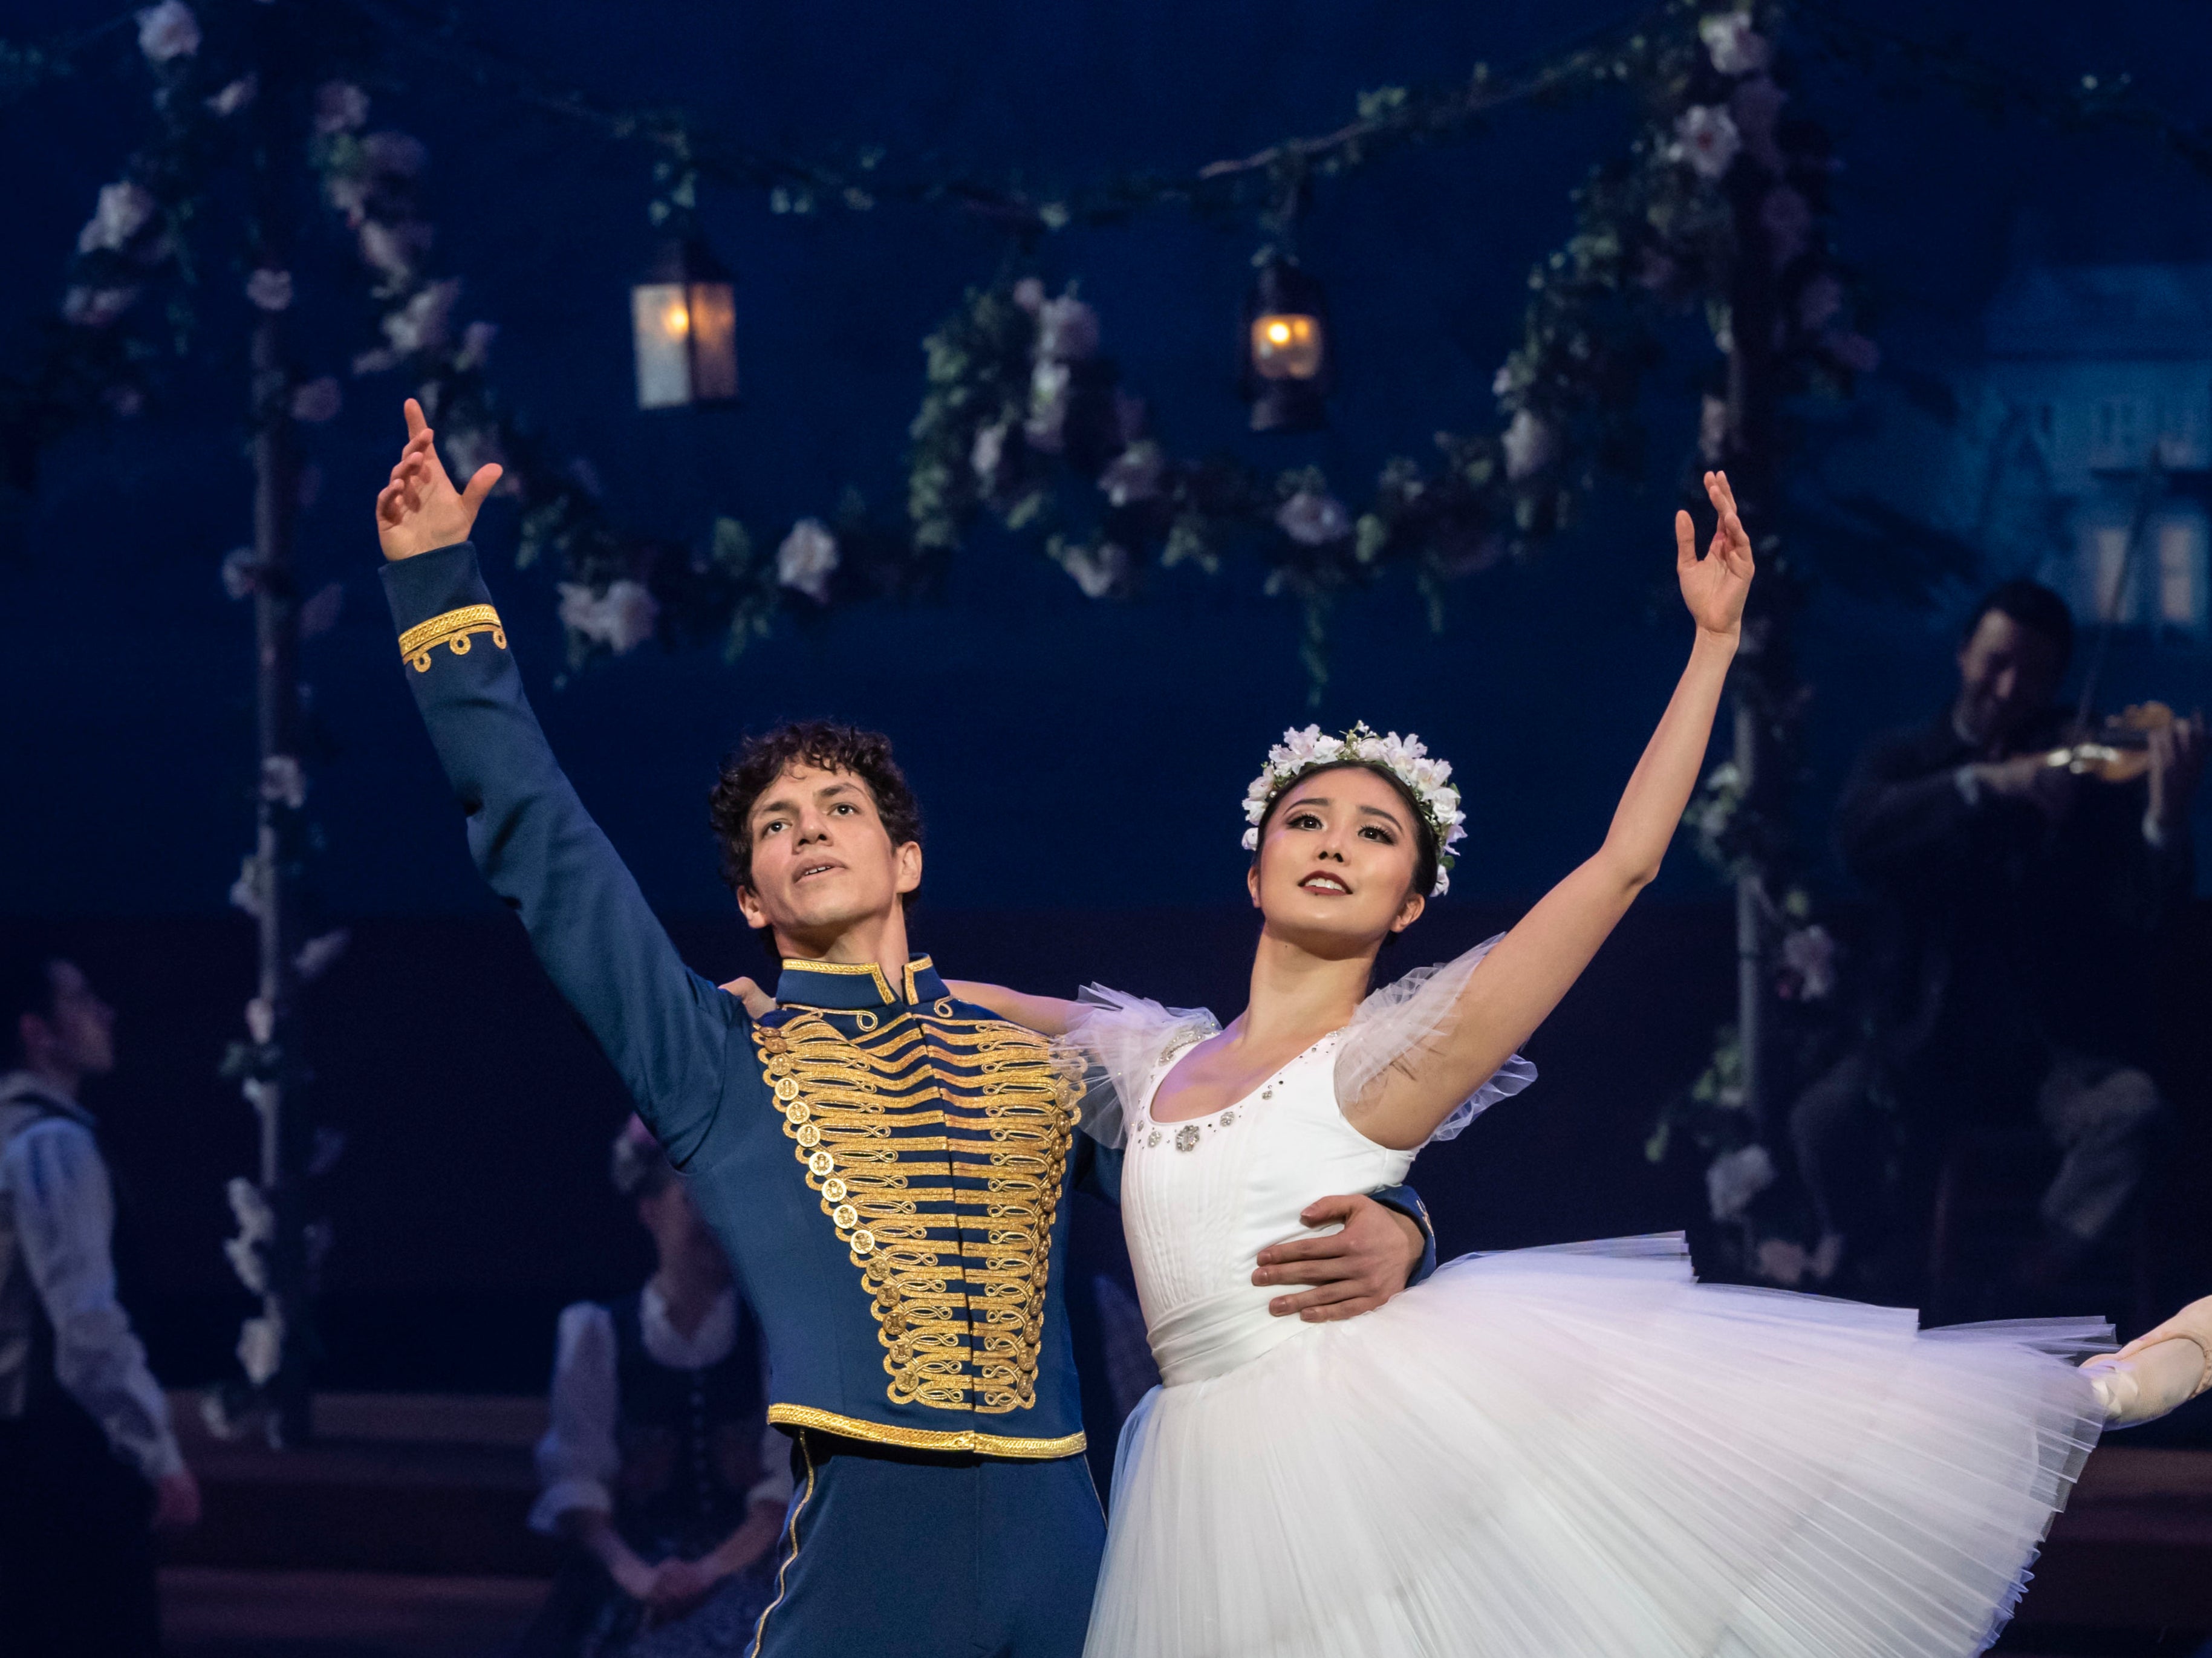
(886, 1168)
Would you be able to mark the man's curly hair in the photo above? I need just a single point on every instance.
(827, 744)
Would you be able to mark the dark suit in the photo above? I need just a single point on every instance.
(2009, 967)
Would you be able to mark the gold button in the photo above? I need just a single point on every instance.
(796, 1112)
(787, 1089)
(821, 1163)
(834, 1190)
(863, 1241)
(845, 1215)
(809, 1135)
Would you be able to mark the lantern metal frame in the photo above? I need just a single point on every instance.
(683, 329)
(1286, 402)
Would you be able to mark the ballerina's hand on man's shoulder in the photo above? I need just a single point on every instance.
(1714, 588)
(419, 510)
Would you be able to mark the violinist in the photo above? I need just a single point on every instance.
(2018, 899)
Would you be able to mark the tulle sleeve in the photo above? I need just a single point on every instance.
(1122, 1039)
(1399, 1023)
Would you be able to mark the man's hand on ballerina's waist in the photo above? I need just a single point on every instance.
(1353, 1270)
(419, 510)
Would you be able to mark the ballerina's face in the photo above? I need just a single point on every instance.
(1337, 862)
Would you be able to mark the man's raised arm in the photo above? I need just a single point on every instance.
(663, 1027)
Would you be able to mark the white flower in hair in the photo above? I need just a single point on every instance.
(1406, 758)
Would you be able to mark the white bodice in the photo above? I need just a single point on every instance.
(1201, 1199)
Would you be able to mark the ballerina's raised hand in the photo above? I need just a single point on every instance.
(1521, 979)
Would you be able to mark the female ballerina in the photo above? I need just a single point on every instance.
(1563, 1451)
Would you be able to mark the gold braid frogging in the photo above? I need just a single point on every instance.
(883, 1128)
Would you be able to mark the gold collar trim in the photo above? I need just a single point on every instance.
(926, 1439)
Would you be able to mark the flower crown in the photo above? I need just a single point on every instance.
(1406, 758)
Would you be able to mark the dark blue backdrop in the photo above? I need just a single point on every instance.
(128, 672)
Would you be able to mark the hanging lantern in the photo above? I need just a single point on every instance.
(1287, 367)
(684, 318)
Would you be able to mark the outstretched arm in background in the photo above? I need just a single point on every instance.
(1522, 978)
(663, 1026)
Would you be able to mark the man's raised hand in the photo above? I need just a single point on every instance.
(1715, 586)
(419, 509)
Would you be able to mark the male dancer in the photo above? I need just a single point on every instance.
(884, 1166)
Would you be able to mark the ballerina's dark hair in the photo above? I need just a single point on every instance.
(1425, 850)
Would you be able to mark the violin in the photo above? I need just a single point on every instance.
(2119, 750)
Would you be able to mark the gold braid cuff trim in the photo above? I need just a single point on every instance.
(925, 1439)
(452, 629)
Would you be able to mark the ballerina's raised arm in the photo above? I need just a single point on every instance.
(1521, 979)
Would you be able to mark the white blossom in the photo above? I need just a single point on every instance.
(168, 30)
(234, 98)
(621, 618)
(321, 953)
(1735, 1178)
(1705, 137)
(316, 401)
(1736, 47)
(349, 193)
(1045, 428)
(284, 781)
(1029, 294)
(261, 1348)
(245, 1261)
(1313, 518)
(124, 210)
(393, 250)
(1712, 429)
(1528, 444)
(1133, 474)
(1809, 954)
(271, 290)
(475, 345)
(261, 1020)
(470, 447)
(1783, 1261)
(245, 890)
(1502, 381)
(256, 1220)
(1097, 570)
(989, 449)
(1067, 330)
(96, 307)
(807, 558)
(423, 322)
(340, 106)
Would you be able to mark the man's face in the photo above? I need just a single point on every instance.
(822, 860)
(2006, 674)
(79, 1034)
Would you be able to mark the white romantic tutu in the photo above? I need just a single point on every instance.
(1580, 1453)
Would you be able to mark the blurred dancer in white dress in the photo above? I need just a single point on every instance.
(1536, 1454)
